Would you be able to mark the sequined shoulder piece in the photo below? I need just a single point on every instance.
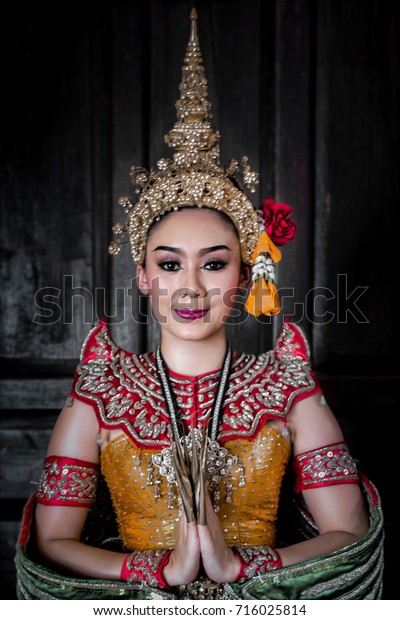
(265, 387)
(123, 388)
(291, 343)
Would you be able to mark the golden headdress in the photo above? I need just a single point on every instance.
(194, 177)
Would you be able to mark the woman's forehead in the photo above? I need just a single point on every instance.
(192, 225)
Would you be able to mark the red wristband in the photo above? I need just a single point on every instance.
(256, 560)
(146, 567)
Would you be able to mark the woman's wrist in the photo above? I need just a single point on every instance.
(168, 572)
(236, 566)
(255, 561)
(146, 567)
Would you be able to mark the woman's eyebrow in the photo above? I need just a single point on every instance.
(168, 248)
(202, 252)
(213, 248)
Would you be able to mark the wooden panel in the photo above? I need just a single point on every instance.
(8, 537)
(101, 150)
(130, 123)
(45, 179)
(357, 187)
(294, 149)
(24, 439)
(34, 393)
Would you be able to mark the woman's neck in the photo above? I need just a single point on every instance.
(193, 357)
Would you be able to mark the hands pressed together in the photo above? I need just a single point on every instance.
(201, 546)
(200, 542)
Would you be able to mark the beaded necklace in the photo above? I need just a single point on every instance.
(219, 463)
(170, 400)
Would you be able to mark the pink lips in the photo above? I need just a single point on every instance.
(190, 314)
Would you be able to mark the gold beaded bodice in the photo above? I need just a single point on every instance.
(247, 519)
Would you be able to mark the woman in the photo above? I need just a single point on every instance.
(194, 440)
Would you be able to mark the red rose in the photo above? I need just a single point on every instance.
(278, 224)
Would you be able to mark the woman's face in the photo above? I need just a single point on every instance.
(192, 273)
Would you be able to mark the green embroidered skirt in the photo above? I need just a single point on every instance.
(354, 572)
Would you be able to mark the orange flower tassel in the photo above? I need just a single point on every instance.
(263, 298)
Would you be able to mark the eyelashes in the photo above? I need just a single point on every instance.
(215, 265)
(169, 265)
(210, 265)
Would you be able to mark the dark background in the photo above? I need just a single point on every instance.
(309, 90)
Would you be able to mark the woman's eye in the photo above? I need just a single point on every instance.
(170, 265)
(214, 265)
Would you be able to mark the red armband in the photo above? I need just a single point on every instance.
(146, 567)
(256, 560)
(67, 482)
(325, 466)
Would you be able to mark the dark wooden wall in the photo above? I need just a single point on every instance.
(309, 90)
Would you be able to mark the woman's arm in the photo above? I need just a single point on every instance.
(59, 528)
(338, 510)
(58, 531)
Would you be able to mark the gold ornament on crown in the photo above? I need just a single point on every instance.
(194, 177)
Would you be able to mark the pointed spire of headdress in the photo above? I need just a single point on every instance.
(192, 136)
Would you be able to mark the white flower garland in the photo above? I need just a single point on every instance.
(263, 268)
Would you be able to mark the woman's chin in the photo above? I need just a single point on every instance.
(192, 330)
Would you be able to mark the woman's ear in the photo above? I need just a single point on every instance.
(141, 280)
(245, 277)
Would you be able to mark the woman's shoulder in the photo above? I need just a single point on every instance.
(122, 387)
(266, 386)
(291, 343)
(99, 349)
(291, 347)
(105, 367)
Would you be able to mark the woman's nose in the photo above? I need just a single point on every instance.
(192, 284)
